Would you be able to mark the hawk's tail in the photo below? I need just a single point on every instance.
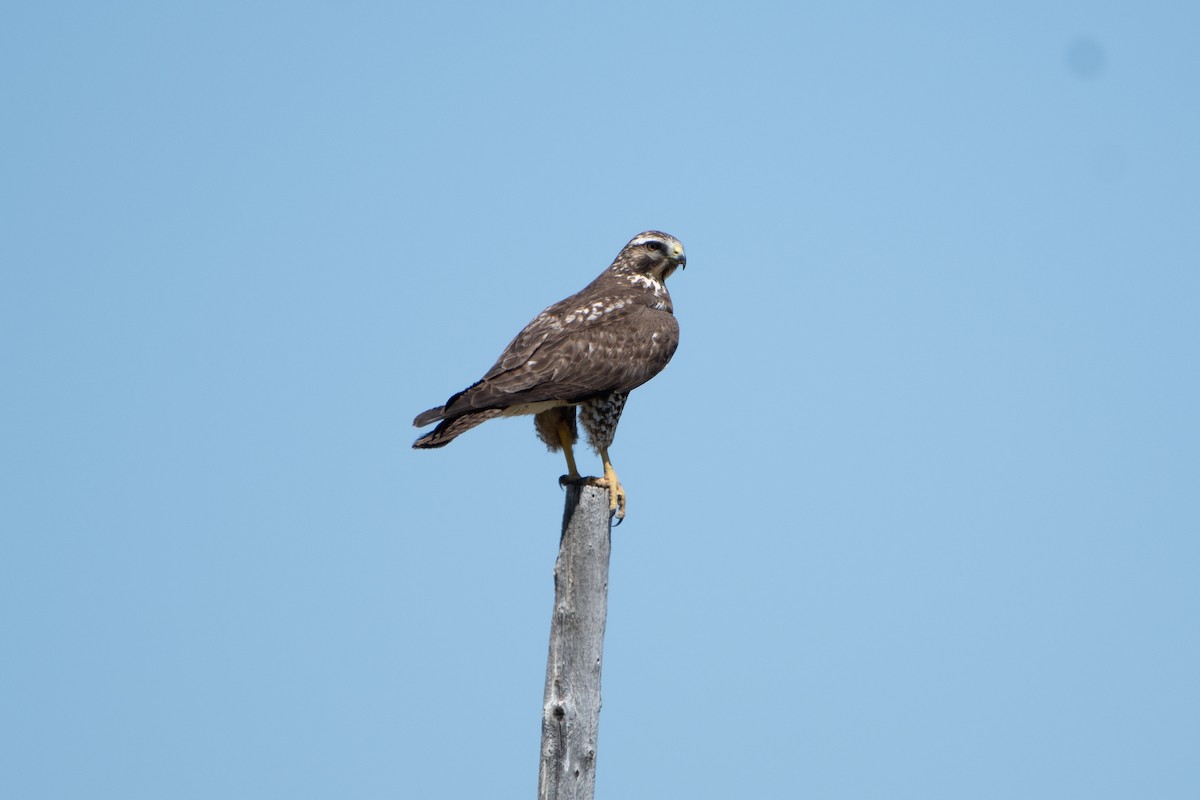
(444, 433)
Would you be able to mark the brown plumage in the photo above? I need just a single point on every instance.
(589, 350)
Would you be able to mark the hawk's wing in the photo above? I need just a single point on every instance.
(568, 355)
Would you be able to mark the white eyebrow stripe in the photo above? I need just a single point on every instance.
(644, 239)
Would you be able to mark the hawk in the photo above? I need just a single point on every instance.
(588, 351)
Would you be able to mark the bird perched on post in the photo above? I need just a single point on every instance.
(588, 351)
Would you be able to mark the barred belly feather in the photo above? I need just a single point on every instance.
(600, 416)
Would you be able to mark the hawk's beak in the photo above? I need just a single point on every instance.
(679, 256)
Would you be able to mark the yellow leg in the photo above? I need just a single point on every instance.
(564, 437)
(616, 494)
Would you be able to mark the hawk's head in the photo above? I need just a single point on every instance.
(653, 253)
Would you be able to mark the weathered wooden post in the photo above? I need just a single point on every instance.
(571, 714)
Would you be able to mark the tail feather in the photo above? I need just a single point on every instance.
(444, 433)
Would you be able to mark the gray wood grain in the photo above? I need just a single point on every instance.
(571, 714)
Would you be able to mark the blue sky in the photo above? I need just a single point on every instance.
(911, 514)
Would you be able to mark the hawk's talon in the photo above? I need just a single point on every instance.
(616, 492)
(616, 505)
(616, 502)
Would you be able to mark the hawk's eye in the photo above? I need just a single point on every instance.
(656, 246)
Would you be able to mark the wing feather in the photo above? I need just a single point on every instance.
(568, 357)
